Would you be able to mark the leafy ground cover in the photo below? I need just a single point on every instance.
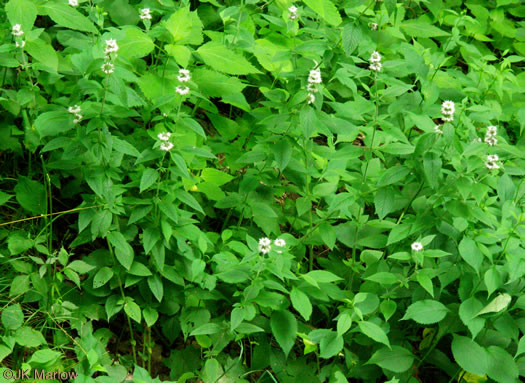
(263, 191)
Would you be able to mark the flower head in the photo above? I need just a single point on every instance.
(265, 245)
(108, 68)
(111, 46)
(315, 76)
(417, 246)
(74, 109)
(293, 12)
(21, 44)
(373, 26)
(184, 75)
(17, 30)
(447, 109)
(311, 98)
(375, 59)
(437, 129)
(279, 242)
(164, 136)
(145, 14)
(182, 90)
(491, 162)
(166, 146)
(73, 3)
(490, 136)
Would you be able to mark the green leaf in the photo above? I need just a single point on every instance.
(133, 310)
(206, 329)
(426, 311)
(215, 176)
(28, 337)
(12, 317)
(383, 278)
(322, 276)
(149, 177)
(123, 250)
(102, 277)
(53, 123)
(418, 28)
(185, 27)
(282, 151)
(136, 44)
(501, 366)
(471, 253)
(469, 355)
(21, 12)
(189, 200)
(139, 269)
(284, 329)
(373, 331)
(497, 304)
(393, 175)
(150, 316)
(215, 84)
(432, 168)
(397, 148)
(44, 357)
(45, 54)
(326, 9)
(301, 303)
(156, 286)
(125, 147)
(344, 323)
(31, 195)
(17, 243)
(331, 345)
(396, 359)
(225, 60)
(351, 38)
(67, 16)
(384, 202)
(80, 267)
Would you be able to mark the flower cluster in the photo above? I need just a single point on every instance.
(76, 111)
(417, 246)
(111, 48)
(447, 109)
(184, 76)
(313, 78)
(73, 3)
(17, 30)
(293, 12)
(373, 26)
(490, 136)
(437, 129)
(265, 245)
(165, 145)
(145, 14)
(491, 162)
(375, 60)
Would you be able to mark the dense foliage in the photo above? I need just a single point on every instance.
(263, 191)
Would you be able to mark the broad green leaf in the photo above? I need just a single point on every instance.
(497, 304)
(326, 9)
(432, 168)
(189, 200)
(322, 276)
(501, 366)
(282, 151)
(102, 277)
(301, 303)
(21, 12)
(419, 28)
(373, 331)
(45, 54)
(80, 267)
(344, 323)
(150, 316)
(136, 44)
(206, 329)
(426, 311)
(133, 311)
(384, 202)
(28, 337)
(396, 359)
(284, 329)
(383, 278)
(268, 53)
(18, 243)
(181, 53)
(471, 253)
(139, 269)
(31, 195)
(53, 123)
(393, 175)
(351, 38)
(331, 345)
(388, 308)
(67, 16)
(225, 60)
(397, 148)
(215, 84)
(149, 177)
(215, 176)
(156, 286)
(12, 317)
(44, 357)
(185, 27)
(469, 355)
(123, 250)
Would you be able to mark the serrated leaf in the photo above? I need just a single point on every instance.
(284, 329)
(21, 12)
(123, 250)
(426, 311)
(373, 331)
(501, 366)
(67, 16)
(225, 60)
(12, 317)
(497, 304)
(53, 123)
(418, 28)
(102, 277)
(326, 9)
(351, 38)
(396, 359)
(149, 177)
(469, 355)
(135, 44)
(301, 303)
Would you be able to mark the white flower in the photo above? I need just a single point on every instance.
(166, 146)
(315, 76)
(108, 68)
(491, 162)
(21, 45)
(373, 26)
(490, 136)
(417, 246)
(73, 3)
(279, 242)
(111, 46)
(447, 109)
(74, 109)
(492, 130)
(184, 75)
(437, 129)
(375, 59)
(145, 14)
(492, 141)
(78, 117)
(17, 30)
(293, 12)
(182, 90)
(492, 158)
(164, 136)
(311, 98)
(265, 241)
